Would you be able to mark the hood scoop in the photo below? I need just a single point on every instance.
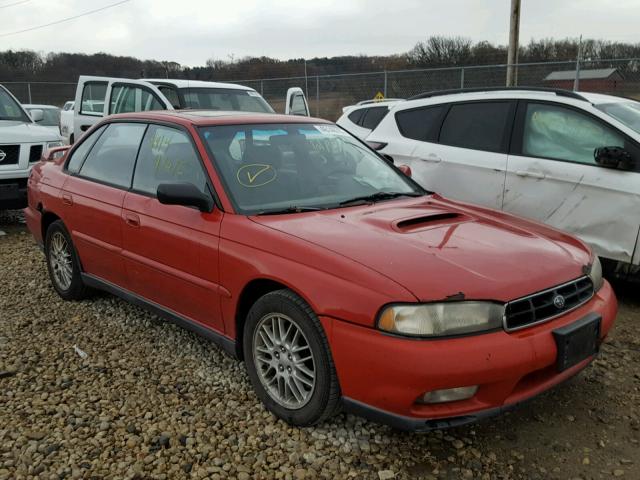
(427, 221)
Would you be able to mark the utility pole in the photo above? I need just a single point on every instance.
(576, 82)
(512, 55)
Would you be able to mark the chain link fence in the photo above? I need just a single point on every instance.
(328, 94)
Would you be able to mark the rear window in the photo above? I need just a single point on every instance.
(420, 123)
(478, 126)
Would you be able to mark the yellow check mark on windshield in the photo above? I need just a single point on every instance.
(253, 177)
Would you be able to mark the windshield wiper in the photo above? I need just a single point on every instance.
(374, 197)
(291, 209)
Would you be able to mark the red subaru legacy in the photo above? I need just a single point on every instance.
(338, 280)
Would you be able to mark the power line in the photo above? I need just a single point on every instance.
(57, 22)
(15, 3)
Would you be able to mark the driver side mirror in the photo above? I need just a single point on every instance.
(185, 194)
(614, 157)
(37, 115)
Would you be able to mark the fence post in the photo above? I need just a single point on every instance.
(262, 88)
(29, 91)
(317, 95)
(461, 77)
(385, 84)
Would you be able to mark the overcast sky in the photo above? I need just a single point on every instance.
(191, 31)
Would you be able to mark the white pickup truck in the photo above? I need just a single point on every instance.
(22, 143)
(97, 97)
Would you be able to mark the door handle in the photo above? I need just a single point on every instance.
(432, 158)
(132, 219)
(528, 173)
(67, 199)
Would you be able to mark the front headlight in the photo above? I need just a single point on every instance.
(441, 319)
(595, 274)
(54, 144)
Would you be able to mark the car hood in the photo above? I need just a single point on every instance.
(21, 132)
(439, 249)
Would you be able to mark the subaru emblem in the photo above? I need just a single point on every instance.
(559, 301)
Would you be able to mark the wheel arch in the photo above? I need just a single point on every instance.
(252, 291)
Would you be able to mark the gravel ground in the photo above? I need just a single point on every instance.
(153, 401)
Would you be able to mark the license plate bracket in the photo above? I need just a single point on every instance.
(577, 341)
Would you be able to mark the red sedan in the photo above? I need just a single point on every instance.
(338, 280)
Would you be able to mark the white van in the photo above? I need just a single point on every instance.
(22, 143)
(97, 97)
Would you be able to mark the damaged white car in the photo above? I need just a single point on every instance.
(568, 159)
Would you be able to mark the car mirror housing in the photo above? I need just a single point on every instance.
(185, 194)
(406, 169)
(37, 115)
(614, 157)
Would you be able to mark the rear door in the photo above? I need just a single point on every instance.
(458, 150)
(97, 97)
(171, 251)
(552, 177)
(101, 168)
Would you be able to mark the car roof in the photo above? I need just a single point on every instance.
(35, 105)
(179, 83)
(215, 117)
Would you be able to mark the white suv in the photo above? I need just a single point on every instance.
(22, 143)
(362, 118)
(568, 159)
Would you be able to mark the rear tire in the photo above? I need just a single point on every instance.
(63, 263)
(289, 361)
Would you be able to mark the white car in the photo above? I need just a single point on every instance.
(66, 122)
(97, 97)
(362, 118)
(50, 115)
(22, 142)
(568, 159)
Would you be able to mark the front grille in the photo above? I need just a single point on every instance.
(546, 305)
(9, 154)
(35, 153)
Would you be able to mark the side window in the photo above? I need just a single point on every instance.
(112, 158)
(167, 155)
(420, 123)
(171, 94)
(356, 115)
(80, 153)
(373, 117)
(561, 133)
(478, 125)
(93, 95)
(298, 106)
(128, 98)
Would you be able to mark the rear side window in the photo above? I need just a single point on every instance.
(129, 98)
(80, 153)
(420, 123)
(356, 115)
(479, 126)
(112, 158)
(166, 156)
(373, 117)
(93, 95)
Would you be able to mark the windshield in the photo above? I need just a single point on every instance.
(625, 112)
(280, 167)
(9, 108)
(51, 116)
(224, 99)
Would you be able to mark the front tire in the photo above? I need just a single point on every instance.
(289, 361)
(63, 263)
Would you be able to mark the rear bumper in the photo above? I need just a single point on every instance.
(382, 375)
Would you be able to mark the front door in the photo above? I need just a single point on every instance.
(171, 251)
(552, 177)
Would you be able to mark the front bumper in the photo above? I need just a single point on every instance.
(382, 375)
(13, 193)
